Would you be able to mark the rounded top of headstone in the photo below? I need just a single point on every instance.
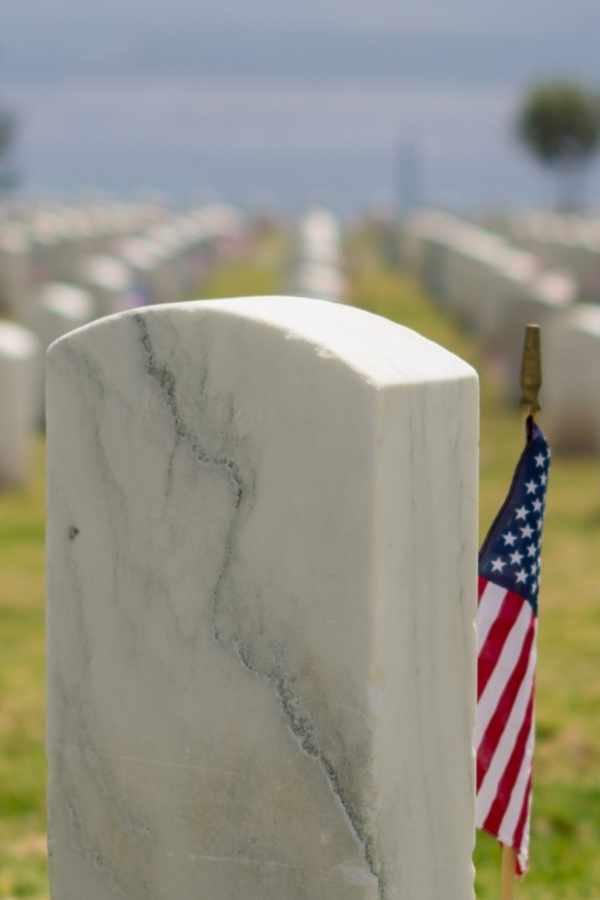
(16, 342)
(520, 265)
(13, 239)
(585, 317)
(67, 300)
(140, 253)
(106, 272)
(381, 352)
(319, 280)
(557, 289)
(219, 218)
(320, 223)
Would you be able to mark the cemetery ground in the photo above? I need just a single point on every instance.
(566, 819)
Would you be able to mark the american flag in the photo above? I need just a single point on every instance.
(507, 616)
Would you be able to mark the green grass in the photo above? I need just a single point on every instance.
(566, 837)
(256, 273)
(22, 761)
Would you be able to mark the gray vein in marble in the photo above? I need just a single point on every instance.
(298, 720)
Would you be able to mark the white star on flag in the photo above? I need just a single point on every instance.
(531, 487)
(537, 504)
(527, 531)
(522, 576)
(509, 539)
(540, 460)
(531, 550)
(516, 558)
(498, 564)
(521, 513)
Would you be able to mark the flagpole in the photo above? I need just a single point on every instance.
(508, 872)
(531, 369)
(531, 382)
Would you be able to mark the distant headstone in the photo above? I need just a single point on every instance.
(316, 266)
(509, 284)
(571, 390)
(18, 356)
(58, 308)
(262, 555)
(546, 301)
(143, 259)
(110, 283)
(15, 273)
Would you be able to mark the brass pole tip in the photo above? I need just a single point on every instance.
(531, 369)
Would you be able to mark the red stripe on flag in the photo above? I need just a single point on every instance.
(507, 782)
(497, 723)
(490, 652)
(483, 583)
(520, 829)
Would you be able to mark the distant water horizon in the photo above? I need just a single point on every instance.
(282, 119)
(285, 147)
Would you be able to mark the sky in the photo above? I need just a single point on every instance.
(258, 101)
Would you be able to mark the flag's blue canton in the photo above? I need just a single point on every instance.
(510, 555)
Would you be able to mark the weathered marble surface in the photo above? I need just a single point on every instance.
(261, 561)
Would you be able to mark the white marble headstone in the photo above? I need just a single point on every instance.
(262, 557)
(571, 389)
(18, 357)
(15, 272)
(57, 309)
(316, 266)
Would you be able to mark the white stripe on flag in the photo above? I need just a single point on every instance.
(523, 852)
(504, 667)
(489, 787)
(510, 821)
(487, 611)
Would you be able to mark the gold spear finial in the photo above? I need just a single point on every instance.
(531, 369)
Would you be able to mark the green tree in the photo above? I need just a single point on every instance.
(8, 126)
(559, 122)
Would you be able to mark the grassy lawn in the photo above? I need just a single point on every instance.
(566, 839)
(22, 724)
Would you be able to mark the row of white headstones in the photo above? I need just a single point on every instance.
(537, 269)
(63, 268)
(569, 242)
